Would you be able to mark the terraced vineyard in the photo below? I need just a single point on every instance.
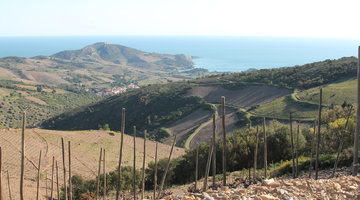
(85, 146)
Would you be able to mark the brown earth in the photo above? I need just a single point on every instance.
(183, 126)
(85, 146)
(205, 134)
(246, 97)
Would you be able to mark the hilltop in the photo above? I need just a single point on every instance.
(47, 86)
(271, 93)
(98, 65)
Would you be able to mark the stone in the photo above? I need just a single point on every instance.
(268, 197)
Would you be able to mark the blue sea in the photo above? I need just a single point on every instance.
(223, 54)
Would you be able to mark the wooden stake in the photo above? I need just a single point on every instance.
(52, 179)
(57, 180)
(98, 177)
(318, 138)
(224, 140)
(265, 149)
(70, 181)
(255, 153)
(207, 169)
(143, 169)
(296, 151)
(292, 146)
(341, 142)
(134, 164)
(104, 172)
(312, 150)
(38, 178)
(9, 186)
(46, 185)
(155, 170)
(166, 169)
(22, 157)
(214, 153)
(1, 195)
(120, 154)
(64, 168)
(196, 167)
(357, 131)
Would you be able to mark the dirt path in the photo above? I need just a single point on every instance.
(182, 127)
(205, 134)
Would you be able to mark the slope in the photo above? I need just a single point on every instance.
(85, 146)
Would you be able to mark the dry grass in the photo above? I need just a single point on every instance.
(85, 147)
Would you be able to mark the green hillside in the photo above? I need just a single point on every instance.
(155, 106)
(39, 101)
(304, 104)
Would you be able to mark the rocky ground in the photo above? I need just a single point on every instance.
(344, 186)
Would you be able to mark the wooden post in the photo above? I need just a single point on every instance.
(296, 151)
(357, 131)
(318, 137)
(64, 168)
(57, 180)
(166, 169)
(22, 157)
(38, 178)
(1, 195)
(155, 170)
(292, 146)
(312, 150)
(265, 149)
(46, 185)
(143, 169)
(214, 153)
(70, 181)
(255, 153)
(207, 169)
(341, 142)
(134, 164)
(9, 186)
(196, 167)
(98, 177)
(120, 154)
(52, 179)
(104, 172)
(224, 140)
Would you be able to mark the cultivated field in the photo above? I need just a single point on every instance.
(85, 146)
(245, 98)
(183, 126)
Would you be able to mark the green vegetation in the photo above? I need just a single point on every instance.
(85, 189)
(301, 77)
(241, 145)
(333, 94)
(147, 108)
(40, 104)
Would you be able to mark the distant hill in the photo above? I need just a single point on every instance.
(119, 54)
(161, 108)
(99, 65)
(46, 86)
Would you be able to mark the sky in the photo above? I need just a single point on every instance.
(283, 18)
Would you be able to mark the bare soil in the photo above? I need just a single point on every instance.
(183, 126)
(245, 98)
(205, 134)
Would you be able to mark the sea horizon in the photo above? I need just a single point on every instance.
(215, 53)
